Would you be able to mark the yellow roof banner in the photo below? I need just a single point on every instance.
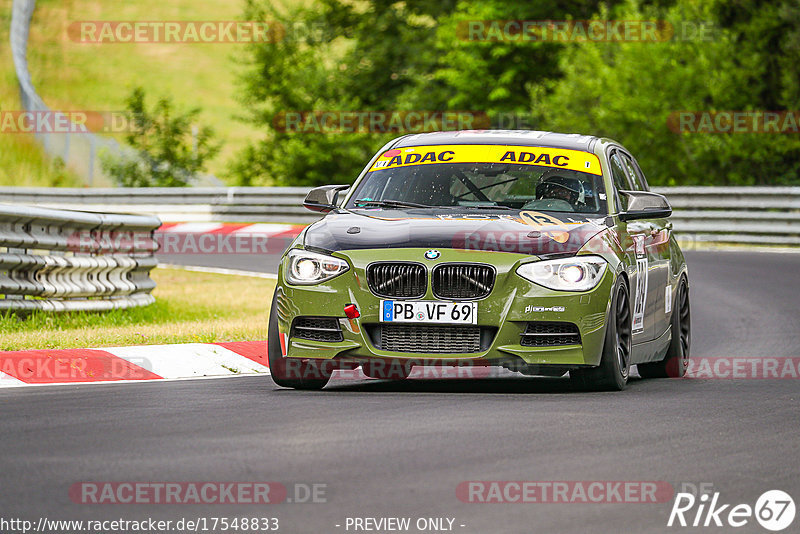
(558, 158)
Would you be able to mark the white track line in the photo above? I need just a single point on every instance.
(265, 229)
(194, 227)
(217, 270)
(710, 246)
(107, 382)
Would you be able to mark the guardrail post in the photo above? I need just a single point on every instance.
(20, 251)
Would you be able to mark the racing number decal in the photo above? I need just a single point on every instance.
(642, 274)
(668, 299)
(539, 220)
(553, 228)
(641, 294)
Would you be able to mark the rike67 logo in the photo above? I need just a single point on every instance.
(774, 510)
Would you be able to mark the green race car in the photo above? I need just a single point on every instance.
(539, 252)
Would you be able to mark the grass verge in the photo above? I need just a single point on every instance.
(84, 76)
(191, 307)
(70, 75)
(22, 160)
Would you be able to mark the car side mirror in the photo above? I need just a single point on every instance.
(645, 205)
(323, 198)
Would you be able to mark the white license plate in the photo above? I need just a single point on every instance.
(428, 311)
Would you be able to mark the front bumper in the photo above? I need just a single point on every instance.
(506, 312)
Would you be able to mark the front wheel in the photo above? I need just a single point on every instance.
(676, 361)
(291, 372)
(615, 364)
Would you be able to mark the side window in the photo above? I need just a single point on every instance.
(620, 178)
(642, 177)
(637, 178)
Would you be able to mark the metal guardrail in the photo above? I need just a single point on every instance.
(59, 260)
(748, 215)
(178, 204)
(745, 215)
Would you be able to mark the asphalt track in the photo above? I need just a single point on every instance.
(400, 449)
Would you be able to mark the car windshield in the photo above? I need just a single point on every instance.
(481, 185)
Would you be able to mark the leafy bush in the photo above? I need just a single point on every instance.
(167, 152)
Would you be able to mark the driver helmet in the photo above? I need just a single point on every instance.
(573, 186)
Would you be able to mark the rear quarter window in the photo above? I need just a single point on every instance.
(637, 178)
(620, 178)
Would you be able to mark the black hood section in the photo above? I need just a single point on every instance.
(526, 232)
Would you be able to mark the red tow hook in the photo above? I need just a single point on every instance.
(351, 311)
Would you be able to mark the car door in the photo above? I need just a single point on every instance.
(656, 243)
(637, 231)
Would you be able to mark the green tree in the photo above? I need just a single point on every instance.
(349, 66)
(167, 154)
(770, 31)
(381, 56)
(629, 91)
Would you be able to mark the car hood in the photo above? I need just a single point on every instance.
(526, 232)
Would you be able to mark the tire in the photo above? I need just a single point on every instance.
(676, 361)
(291, 372)
(612, 373)
(387, 370)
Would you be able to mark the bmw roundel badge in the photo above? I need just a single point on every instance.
(432, 254)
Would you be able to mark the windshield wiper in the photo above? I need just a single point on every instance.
(389, 203)
(361, 202)
(483, 207)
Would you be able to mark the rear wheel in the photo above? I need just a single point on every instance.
(612, 373)
(292, 372)
(676, 361)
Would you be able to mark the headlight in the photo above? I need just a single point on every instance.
(568, 274)
(305, 267)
